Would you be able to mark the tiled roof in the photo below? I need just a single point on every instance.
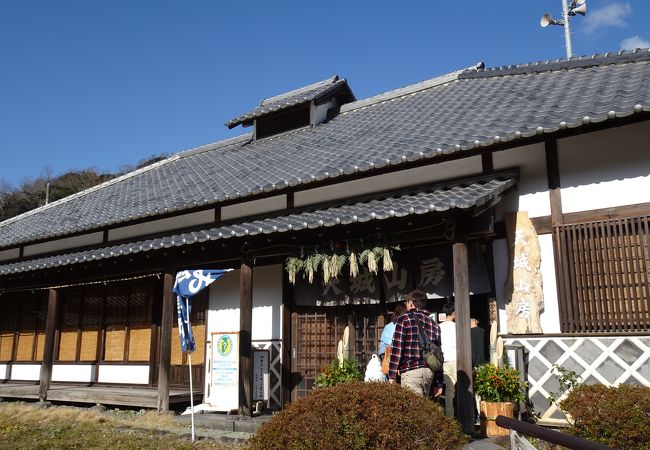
(296, 97)
(468, 110)
(439, 198)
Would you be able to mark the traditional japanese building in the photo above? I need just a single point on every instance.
(522, 192)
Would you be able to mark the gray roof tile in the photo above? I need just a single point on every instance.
(436, 199)
(474, 108)
(296, 97)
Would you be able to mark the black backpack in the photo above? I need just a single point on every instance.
(431, 352)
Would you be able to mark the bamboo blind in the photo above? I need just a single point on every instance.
(177, 353)
(139, 344)
(70, 328)
(25, 347)
(40, 346)
(114, 344)
(604, 277)
(6, 346)
(68, 345)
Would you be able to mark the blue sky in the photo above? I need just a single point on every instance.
(103, 84)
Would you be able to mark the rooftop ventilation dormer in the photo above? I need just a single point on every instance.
(308, 105)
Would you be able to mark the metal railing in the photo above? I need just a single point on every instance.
(552, 436)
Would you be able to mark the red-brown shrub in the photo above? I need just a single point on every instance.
(357, 415)
(612, 416)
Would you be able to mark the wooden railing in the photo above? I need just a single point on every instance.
(603, 275)
(552, 436)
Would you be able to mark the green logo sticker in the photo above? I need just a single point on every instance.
(224, 345)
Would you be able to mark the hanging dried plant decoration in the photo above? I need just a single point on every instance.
(326, 270)
(372, 262)
(293, 266)
(387, 260)
(336, 265)
(354, 266)
(312, 262)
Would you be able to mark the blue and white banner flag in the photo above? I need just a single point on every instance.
(189, 283)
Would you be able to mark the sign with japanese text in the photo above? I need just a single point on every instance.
(260, 375)
(224, 373)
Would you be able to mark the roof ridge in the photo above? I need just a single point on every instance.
(584, 61)
(126, 176)
(409, 89)
(275, 98)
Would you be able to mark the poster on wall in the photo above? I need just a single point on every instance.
(224, 374)
(260, 375)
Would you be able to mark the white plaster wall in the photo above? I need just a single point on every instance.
(223, 314)
(123, 374)
(550, 318)
(73, 372)
(3, 371)
(254, 207)
(394, 180)
(12, 253)
(62, 244)
(156, 226)
(318, 113)
(533, 184)
(605, 169)
(26, 372)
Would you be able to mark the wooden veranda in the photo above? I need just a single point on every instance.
(125, 396)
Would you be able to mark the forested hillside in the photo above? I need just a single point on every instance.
(32, 193)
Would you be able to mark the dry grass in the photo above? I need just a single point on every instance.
(24, 426)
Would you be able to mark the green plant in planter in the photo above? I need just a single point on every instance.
(495, 384)
(337, 373)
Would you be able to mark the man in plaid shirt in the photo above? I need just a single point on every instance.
(405, 348)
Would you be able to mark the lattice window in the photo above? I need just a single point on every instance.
(603, 274)
(22, 325)
(139, 322)
(91, 324)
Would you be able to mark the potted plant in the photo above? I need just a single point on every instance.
(338, 372)
(499, 388)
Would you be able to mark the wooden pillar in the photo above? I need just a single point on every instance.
(48, 349)
(245, 344)
(164, 366)
(287, 296)
(464, 385)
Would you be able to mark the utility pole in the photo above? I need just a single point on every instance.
(568, 10)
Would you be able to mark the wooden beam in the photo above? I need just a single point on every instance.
(164, 366)
(245, 329)
(48, 349)
(553, 177)
(464, 385)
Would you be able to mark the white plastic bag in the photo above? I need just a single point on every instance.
(373, 370)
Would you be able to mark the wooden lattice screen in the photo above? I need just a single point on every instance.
(603, 275)
(317, 333)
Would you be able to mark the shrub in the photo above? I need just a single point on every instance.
(357, 415)
(495, 384)
(612, 416)
(336, 373)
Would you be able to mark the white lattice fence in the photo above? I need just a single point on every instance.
(275, 370)
(604, 360)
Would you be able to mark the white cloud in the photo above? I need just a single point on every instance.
(612, 15)
(634, 42)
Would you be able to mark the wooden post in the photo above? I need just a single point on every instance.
(245, 327)
(287, 291)
(48, 350)
(164, 366)
(464, 385)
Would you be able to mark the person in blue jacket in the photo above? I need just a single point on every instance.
(387, 335)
